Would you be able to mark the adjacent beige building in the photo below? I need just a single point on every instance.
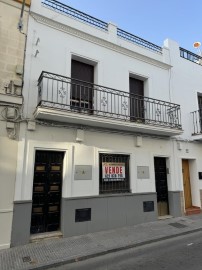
(12, 45)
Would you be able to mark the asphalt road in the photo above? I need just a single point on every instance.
(180, 253)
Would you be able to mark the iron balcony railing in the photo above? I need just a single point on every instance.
(191, 56)
(81, 16)
(139, 41)
(197, 122)
(62, 8)
(63, 93)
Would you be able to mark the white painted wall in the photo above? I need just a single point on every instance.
(186, 81)
(8, 153)
(114, 61)
(87, 153)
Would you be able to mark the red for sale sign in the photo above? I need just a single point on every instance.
(113, 171)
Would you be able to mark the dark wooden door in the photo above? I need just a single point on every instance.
(136, 99)
(82, 86)
(186, 183)
(161, 185)
(47, 186)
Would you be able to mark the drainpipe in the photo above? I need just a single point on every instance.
(20, 28)
(20, 23)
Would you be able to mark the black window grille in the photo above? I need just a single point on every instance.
(114, 173)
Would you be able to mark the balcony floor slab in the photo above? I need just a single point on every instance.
(103, 122)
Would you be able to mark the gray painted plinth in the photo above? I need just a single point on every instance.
(20, 234)
(174, 203)
(107, 212)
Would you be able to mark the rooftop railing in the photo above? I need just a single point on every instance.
(69, 94)
(76, 14)
(197, 59)
(139, 41)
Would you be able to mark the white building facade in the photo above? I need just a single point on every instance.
(108, 130)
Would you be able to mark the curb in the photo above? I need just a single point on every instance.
(113, 250)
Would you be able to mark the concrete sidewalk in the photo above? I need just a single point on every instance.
(55, 252)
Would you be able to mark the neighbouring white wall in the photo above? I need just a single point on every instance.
(8, 160)
(195, 193)
(186, 82)
(192, 152)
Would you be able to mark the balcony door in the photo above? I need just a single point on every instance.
(200, 111)
(136, 100)
(82, 86)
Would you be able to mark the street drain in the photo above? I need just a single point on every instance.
(177, 225)
(26, 259)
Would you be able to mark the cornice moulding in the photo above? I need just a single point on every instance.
(96, 40)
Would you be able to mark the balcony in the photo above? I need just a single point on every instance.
(195, 58)
(68, 100)
(197, 124)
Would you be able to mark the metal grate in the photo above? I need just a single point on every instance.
(62, 8)
(177, 225)
(148, 206)
(114, 173)
(26, 259)
(139, 41)
(82, 215)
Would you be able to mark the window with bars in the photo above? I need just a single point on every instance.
(114, 173)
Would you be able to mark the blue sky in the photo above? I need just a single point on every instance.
(153, 20)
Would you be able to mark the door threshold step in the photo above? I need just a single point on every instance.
(45, 236)
(192, 210)
(165, 217)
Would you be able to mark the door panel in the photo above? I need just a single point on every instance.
(200, 111)
(186, 182)
(81, 91)
(47, 186)
(136, 99)
(161, 185)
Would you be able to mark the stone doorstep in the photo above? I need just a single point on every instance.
(193, 211)
(45, 236)
(164, 217)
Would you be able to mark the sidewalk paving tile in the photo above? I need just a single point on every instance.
(57, 251)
